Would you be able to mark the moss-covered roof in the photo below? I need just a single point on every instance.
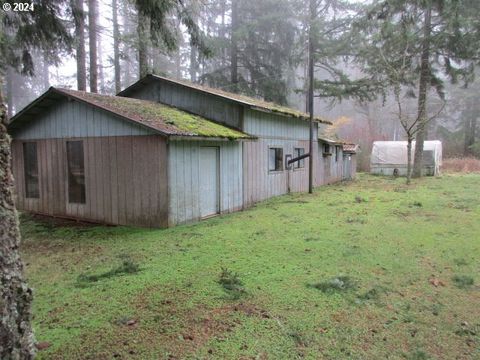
(165, 119)
(245, 100)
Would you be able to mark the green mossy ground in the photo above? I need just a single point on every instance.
(292, 258)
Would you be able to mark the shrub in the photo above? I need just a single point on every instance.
(128, 266)
(463, 281)
(461, 165)
(336, 284)
(231, 283)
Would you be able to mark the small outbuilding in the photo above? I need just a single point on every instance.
(162, 152)
(390, 157)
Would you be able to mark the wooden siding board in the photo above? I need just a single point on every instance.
(192, 101)
(122, 180)
(184, 178)
(72, 119)
(113, 186)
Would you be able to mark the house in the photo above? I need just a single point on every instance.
(163, 152)
(390, 157)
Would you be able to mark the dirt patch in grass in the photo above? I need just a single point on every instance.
(182, 328)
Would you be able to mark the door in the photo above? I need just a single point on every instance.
(209, 181)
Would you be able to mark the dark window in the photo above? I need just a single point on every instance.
(30, 161)
(275, 159)
(76, 172)
(296, 153)
(326, 148)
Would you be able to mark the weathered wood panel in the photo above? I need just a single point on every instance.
(76, 119)
(330, 167)
(193, 101)
(185, 173)
(266, 125)
(260, 183)
(125, 180)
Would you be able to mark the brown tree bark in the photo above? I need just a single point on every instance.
(10, 91)
(311, 78)
(193, 64)
(92, 40)
(116, 47)
(16, 335)
(234, 47)
(142, 46)
(79, 20)
(422, 94)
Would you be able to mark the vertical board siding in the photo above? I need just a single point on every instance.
(196, 102)
(76, 119)
(266, 125)
(262, 184)
(184, 174)
(125, 180)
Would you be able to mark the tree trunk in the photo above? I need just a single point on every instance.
(409, 158)
(10, 92)
(234, 47)
(142, 46)
(193, 63)
(92, 39)
(16, 335)
(422, 94)
(45, 73)
(79, 20)
(311, 76)
(101, 75)
(116, 47)
(222, 33)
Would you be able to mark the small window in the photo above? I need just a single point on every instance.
(296, 153)
(30, 162)
(275, 159)
(326, 148)
(76, 172)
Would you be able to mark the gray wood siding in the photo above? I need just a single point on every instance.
(76, 119)
(329, 170)
(193, 101)
(125, 180)
(266, 125)
(259, 182)
(185, 172)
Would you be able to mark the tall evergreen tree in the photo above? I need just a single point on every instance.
(79, 21)
(159, 18)
(444, 37)
(92, 43)
(20, 32)
(116, 47)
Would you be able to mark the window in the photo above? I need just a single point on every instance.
(76, 172)
(326, 148)
(275, 159)
(30, 162)
(296, 153)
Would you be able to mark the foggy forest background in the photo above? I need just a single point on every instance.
(253, 47)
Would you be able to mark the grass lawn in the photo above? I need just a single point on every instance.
(364, 270)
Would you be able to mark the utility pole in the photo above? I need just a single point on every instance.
(310, 93)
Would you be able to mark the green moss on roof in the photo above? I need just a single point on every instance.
(258, 103)
(161, 117)
(197, 125)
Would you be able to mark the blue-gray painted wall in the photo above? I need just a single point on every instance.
(184, 173)
(191, 100)
(75, 119)
(269, 125)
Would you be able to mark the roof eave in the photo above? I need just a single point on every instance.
(252, 106)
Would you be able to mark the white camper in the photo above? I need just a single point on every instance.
(390, 157)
